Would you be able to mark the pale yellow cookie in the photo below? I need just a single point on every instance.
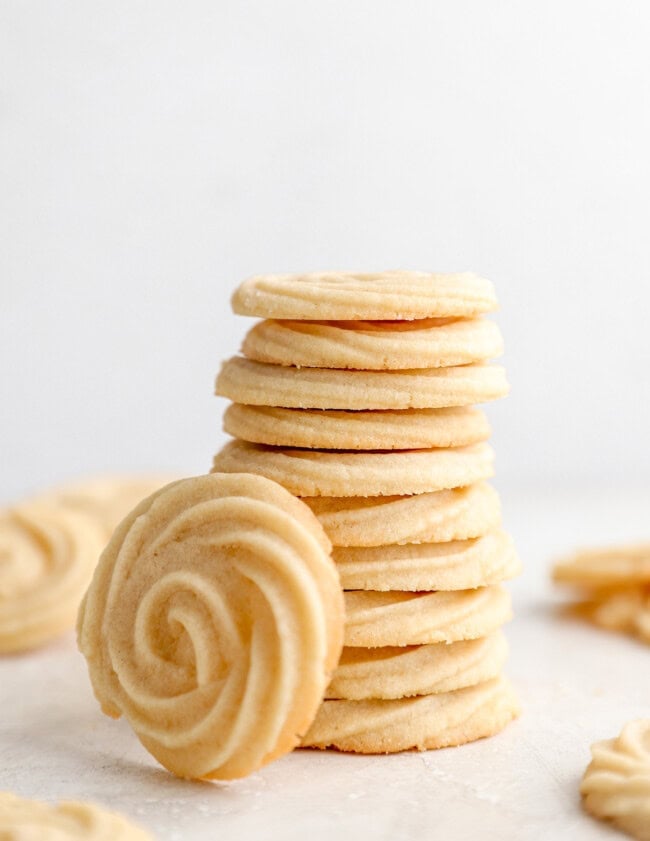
(108, 498)
(417, 670)
(456, 565)
(616, 785)
(261, 384)
(323, 473)
(374, 345)
(47, 557)
(380, 296)
(406, 429)
(626, 610)
(608, 567)
(29, 820)
(376, 619)
(435, 517)
(424, 722)
(213, 623)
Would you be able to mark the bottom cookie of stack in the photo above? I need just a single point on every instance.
(423, 722)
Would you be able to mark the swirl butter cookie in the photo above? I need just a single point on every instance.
(378, 619)
(261, 384)
(608, 567)
(455, 565)
(423, 722)
(406, 429)
(616, 785)
(47, 557)
(107, 498)
(374, 345)
(417, 670)
(435, 517)
(380, 296)
(324, 473)
(626, 610)
(28, 819)
(213, 623)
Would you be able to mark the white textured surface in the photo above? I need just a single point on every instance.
(577, 685)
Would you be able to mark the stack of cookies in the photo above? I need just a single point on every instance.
(356, 392)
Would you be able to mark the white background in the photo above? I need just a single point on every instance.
(153, 154)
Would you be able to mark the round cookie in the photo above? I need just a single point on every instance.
(29, 819)
(417, 670)
(406, 429)
(377, 619)
(374, 345)
(610, 567)
(107, 498)
(323, 473)
(353, 296)
(47, 554)
(456, 565)
(435, 517)
(213, 623)
(424, 722)
(261, 384)
(616, 784)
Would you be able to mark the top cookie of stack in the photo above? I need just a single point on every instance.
(356, 393)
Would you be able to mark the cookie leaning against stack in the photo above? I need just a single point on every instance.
(213, 623)
(357, 394)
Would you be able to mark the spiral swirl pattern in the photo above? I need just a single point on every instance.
(381, 296)
(213, 622)
(47, 558)
(29, 819)
(374, 345)
(616, 785)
